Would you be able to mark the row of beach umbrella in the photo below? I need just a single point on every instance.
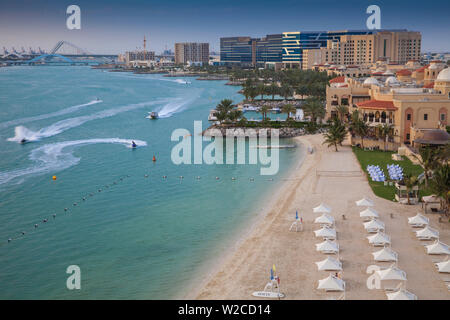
(378, 238)
(329, 246)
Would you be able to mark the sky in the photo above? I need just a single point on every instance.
(111, 27)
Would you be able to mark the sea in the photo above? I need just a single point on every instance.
(77, 194)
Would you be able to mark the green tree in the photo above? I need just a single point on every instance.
(428, 159)
(410, 182)
(440, 184)
(335, 135)
(342, 111)
(288, 109)
(361, 129)
(385, 131)
(264, 110)
(314, 108)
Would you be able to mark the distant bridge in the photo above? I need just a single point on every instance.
(66, 52)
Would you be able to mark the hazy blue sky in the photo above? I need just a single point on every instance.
(115, 26)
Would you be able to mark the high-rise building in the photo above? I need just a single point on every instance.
(191, 52)
(296, 49)
(393, 46)
(251, 51)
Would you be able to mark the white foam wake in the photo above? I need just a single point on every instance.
(56, 157)
(22, 132)
(175, 106)
(47, 115)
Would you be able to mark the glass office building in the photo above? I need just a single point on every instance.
(269, 49)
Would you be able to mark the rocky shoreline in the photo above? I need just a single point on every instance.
(249, 132)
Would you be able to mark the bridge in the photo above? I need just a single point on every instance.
(65, 52)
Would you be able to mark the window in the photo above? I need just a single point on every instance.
(425, 116)
(408, 136)
(408, 117)
(442, 116)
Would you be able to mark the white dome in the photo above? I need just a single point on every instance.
(444, 75)
(433, 66)
(371, 80)
(391, 80)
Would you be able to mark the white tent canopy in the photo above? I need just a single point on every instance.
(322, 208)
(331, 283)
(418, 220)
(427, 233)
(380, 238)
(329, 264)
(325, 219)
(438, 248)
(385, 254)
(327, 247)
(374, 225)
(401, 294)
(364, 202)
(391, 273)
(443, 266)
(369, 213)
(326, 233)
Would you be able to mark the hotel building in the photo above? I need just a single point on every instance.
(415, 103)
(191, 52)
(306, 49)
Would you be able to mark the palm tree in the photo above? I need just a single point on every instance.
(234, 115)
(314, 108)
(273, 89)
(361, 129)
(410, 181)
(286, 91)
(335, 134)
(288, 109)
(264, 110)
(226, 105)
(440, 184)
(261, 90)
(342, 111)
(385, 131)
(428, 159)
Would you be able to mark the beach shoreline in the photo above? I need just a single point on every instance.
(213, 266)
(245, 268)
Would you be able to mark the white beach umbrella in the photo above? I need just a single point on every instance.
(443, 266)
(326, 232)
(331, 283)
(401, 294)
(322, 208)
(368, 213)
(391, 273)
(418, 220)
(325, 219)
(373, 225)
(364, 202)
(427, 233)
(327, 247)
(380, 238)
(329, 264)
(438, 248)
(385, 254)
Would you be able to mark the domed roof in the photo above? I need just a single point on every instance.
(371, 80)
(391, 80)
(434, 136)
(444, 75)
(433, 66)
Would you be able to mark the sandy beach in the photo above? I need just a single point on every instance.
(336, 179)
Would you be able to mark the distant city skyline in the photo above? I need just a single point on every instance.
(112, 27)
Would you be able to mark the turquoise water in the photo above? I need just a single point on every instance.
(142, 236)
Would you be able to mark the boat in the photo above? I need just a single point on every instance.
(212, 115)
(248, 108)
(153, 115)
(275, 110)
(23, 141)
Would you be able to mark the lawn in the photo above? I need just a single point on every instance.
(382, 159)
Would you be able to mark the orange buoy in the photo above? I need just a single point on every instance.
(154, 158)
(54, 178)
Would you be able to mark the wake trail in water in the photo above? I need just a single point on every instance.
(175, 106)
(58, 156)
(22, 132)
(47, 115)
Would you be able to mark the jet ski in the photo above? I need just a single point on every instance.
(153, 115)
(133, 144)
(23, 141)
